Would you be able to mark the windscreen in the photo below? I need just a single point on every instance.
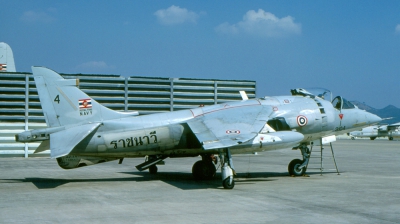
(341, 103)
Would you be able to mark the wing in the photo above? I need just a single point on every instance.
(63, 142)
(393, 126)
(229, 126)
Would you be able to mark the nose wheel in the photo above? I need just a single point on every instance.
(295, 169)
(298, 167)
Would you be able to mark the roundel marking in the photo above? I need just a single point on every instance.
(302, 120)
(233, 131)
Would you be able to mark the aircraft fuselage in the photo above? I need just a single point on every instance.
(166, 133)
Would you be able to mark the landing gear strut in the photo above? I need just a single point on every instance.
(204, 169)
(298, 167)
(227, 169)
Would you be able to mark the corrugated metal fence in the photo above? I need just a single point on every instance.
(20, 106)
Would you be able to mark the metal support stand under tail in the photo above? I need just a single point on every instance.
(227, 169)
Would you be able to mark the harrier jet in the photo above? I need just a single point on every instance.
(82, 132)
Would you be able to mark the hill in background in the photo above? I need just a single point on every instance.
(389, 111)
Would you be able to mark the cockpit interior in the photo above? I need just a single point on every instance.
(341, 103)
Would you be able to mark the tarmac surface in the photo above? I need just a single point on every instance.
(36, 190)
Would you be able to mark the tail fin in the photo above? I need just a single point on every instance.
(63, 103)
(6, 58)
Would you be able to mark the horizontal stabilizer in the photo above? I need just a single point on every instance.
(63, 142)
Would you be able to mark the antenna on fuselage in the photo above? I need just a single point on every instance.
(243, 95)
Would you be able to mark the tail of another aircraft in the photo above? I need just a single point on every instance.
(63, 103)
(6, 58)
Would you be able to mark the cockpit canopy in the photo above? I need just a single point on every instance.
(312, 92)
(338, 102)
(341, 103)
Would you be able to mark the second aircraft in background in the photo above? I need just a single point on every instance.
(390, 131)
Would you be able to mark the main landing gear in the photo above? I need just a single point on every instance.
(298, 167)
(205, 169)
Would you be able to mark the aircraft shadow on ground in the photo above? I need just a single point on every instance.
(183, 181)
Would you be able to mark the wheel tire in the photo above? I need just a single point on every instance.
(227, 185)
(372, 138)
(203, 170)
(352, 138)
(292, 168)
(390, 138)
(153, 169)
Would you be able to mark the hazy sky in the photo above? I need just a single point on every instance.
(349, 47)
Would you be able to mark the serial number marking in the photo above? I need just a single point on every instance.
(340, 128)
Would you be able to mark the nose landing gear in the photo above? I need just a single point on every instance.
(298, 167)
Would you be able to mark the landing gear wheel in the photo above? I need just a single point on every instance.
(293, 168)
(227, 183)
(203, 170)
(390, 138)
(153, 169)
(372, 138)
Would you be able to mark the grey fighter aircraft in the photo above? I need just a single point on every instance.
(390, 131)
(82, 132)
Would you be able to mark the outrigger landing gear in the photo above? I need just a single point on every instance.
(204, 169)
(153, 169)
(150, 163)
(298, 167)
(227, 169)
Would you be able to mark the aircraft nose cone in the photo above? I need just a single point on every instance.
(372, 118)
